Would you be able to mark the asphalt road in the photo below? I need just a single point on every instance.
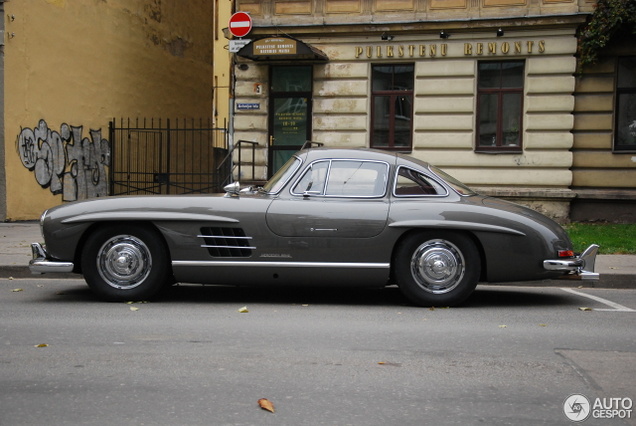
(510, 356)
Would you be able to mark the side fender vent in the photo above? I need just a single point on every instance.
(226, 242)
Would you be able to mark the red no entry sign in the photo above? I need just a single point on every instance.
(240, 24)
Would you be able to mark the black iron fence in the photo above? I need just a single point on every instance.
(167, 157)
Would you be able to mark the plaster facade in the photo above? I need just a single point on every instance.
(70, 67)
(446, 41)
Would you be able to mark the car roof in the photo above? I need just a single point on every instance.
(313, 154)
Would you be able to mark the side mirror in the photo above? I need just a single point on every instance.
(233, 189)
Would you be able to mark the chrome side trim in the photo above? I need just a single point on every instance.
(581, 267)
(40, 264)
(350, 265)
(453, 224)
(227, 237)
(228, 247)
(147, 215)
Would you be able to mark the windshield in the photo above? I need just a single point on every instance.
(281, 177)
(454, 183)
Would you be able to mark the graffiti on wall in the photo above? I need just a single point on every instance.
(65, 162)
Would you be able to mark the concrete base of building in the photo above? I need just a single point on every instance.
(604, 205)
(552, 202)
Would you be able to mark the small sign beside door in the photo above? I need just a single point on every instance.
(247, 106)
(236, 45)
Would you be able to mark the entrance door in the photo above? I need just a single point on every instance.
(290, 112)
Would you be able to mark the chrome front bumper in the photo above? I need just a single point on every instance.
(40, 264)
(581, 267)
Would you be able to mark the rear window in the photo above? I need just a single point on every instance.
(411, 183)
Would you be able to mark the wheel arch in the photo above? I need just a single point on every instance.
(104, 224)
(473, 237)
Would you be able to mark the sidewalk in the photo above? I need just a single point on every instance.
(617, 271)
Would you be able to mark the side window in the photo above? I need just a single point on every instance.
(344, 178)
(625, 133)
(357, 179)
(413, 183)
(314, 179)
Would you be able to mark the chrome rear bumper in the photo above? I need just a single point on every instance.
(581, 267)
(40, 264)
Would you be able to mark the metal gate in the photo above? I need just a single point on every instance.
(160, 157)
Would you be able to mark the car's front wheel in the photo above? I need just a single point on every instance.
(125, 262)
(437, 268)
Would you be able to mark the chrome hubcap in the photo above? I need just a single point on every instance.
(437, 266)
(124, 262)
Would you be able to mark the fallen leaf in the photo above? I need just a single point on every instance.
(243, 310)
(543, 325)
(42, 345)
(503, 326)
(585, 309)
(390, 364)
(15, 290)
(134, 308)
(266, 404)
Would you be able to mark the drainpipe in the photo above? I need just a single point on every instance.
(3, 177)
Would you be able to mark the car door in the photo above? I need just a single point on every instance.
(334, 199)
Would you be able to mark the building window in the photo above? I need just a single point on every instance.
(392, 107)
(625, 132)
(500, 106)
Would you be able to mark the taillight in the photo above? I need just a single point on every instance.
(565, 253)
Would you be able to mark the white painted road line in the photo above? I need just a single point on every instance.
(615, 306)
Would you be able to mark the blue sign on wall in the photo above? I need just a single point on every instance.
(247, 106)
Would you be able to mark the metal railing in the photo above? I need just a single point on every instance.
(228, 163)
(155, 156)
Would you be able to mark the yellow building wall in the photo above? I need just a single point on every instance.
(222, 60)
(73, 65)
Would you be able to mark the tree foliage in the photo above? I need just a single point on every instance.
(611, 20)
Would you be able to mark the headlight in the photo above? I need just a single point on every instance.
(42, 222)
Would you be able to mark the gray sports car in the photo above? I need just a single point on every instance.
(328, 217)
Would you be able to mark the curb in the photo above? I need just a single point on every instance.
(608, 281)
(23, 272)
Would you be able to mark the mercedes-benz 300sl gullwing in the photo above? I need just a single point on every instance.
(328, 217)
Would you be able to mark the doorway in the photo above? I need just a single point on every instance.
(290, 112)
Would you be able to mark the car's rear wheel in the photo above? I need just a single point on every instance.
(437, 268)
(125, 262)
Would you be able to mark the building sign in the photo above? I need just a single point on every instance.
(279, 48)
(290, 120)
(236, 45)
(246, 106)
(432, 50)
(275, 46)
